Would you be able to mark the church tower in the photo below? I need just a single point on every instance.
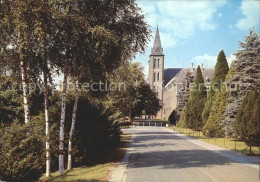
(156, 68)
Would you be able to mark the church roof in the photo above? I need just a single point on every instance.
(157, 49)
(207, 74)
(169, 73)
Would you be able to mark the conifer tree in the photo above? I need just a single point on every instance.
(243, 77)
(221, 70)
(247, 125)
(196, 102)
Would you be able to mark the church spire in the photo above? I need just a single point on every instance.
(157, 47)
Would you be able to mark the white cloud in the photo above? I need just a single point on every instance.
(219, 14)
(146, 71)
(207, 60)
(210, 61)
(231, 58)
(181, 18)
(250, 11)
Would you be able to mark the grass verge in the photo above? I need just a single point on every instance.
(97, 173)
(232, 144)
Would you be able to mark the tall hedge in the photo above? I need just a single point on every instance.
(221, 70)
(196, 102)
(247, 122)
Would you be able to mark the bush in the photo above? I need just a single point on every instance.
(248, 118)
(22, 152)
(11, 106)
(95, 132)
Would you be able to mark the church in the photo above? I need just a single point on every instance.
(165, 81)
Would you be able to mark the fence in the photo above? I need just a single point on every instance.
(150, 123)
(229, 143)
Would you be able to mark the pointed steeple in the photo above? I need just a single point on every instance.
(157, 47)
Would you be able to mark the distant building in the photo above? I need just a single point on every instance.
(165, 81)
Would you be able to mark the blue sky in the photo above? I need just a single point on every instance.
(194, 31)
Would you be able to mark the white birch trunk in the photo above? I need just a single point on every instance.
(62, 122)
(47, 126)
(25, 91)
(74, 115)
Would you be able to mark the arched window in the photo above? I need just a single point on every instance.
(158, 76)
(154, 77)
(158, 62)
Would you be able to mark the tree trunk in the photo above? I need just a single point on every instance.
(25, 90)
(62, 122)
(74, 115)
(47, 126)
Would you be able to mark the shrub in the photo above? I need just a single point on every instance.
(22, 152)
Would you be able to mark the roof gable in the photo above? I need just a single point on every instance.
(169, 73)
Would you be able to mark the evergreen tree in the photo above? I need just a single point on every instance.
(213, 125)
(247, 124)
(243, 77)
(181, 122)
(183, 92)
(221, 70)
(196, 102)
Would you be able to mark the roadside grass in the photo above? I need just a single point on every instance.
(232, 144)
(97, 173)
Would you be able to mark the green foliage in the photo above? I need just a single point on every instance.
(221, 70)
(247, 122)
(173, 117)
(196, 102)
(135, 96)
(22, 152)
(182, 122)
(244, 76)
(22, 155)
(11, 106)
(95, 132)
(213, 125)
(147, 101)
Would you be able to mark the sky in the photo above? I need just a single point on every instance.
(195, 31)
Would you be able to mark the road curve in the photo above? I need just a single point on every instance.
(160, 155)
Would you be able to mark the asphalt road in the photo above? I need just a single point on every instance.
(157, 154)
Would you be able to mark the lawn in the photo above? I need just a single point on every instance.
(232, 144)
(99, 172)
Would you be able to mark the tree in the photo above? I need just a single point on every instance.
(247, 125)
(221, 70)
(182, 121)
(213, 125)
(106, 44)
(16, 31)
(244, 76)
(196, 102)
(147, 101)
(129, 77)
(183, 93)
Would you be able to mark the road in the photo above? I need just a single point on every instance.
(158, 154)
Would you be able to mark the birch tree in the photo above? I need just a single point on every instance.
(107, 40)
(15, 34)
